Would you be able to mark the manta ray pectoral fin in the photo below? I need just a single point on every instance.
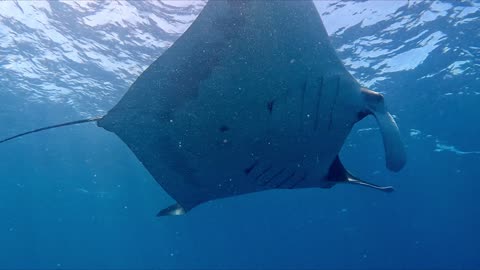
(337, 174)
(394, 149)
(172, 210)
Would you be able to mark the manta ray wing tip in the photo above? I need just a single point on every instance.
(172, 210)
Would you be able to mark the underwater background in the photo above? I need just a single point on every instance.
(78, 198)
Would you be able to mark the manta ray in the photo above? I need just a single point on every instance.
(252, 97)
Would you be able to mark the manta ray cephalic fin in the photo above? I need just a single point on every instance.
(395, 155)
(353, 180)
(339, 175)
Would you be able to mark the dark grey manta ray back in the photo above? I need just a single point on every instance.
(251, 97)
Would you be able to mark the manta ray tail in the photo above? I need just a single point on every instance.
(94, 119)
(338, 174)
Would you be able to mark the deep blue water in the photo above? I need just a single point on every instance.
(78, 198)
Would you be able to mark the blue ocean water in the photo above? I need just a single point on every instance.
(77, 198)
